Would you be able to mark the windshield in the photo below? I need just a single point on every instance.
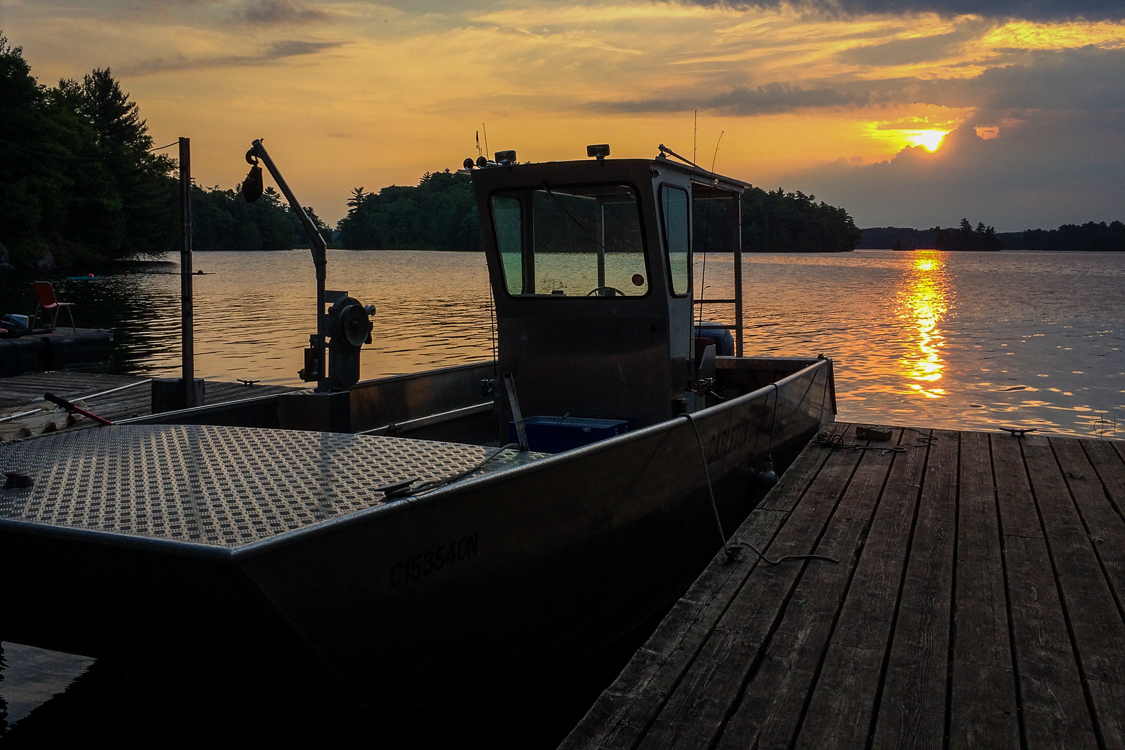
(573, 242)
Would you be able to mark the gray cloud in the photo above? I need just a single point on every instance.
(773, 98)
(1033, 10)
(279, 11)
(275, 51)
(1051, 169)
(921, 49)
(1087, 78)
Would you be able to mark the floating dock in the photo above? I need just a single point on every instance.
(62, 347)
(977, 602)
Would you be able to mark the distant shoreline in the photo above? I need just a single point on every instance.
(1088, 237)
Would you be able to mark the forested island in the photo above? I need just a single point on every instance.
(440, 214)
(1088, 237)
(81, 182)
(776, 221)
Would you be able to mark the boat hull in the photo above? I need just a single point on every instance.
(479, 584)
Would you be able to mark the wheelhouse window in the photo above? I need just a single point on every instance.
(574, 242)
(674, 212)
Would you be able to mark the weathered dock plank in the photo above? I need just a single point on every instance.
(976, 603)
(697, 709)
(1053, 707)
(840, 713)
(982, 704)
(774, 696)
(1098, 484)
(912, 710)
(1093, 618)
(619, 717)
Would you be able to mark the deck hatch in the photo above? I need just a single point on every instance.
(225, 486)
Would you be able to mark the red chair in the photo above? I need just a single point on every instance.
(45, 294)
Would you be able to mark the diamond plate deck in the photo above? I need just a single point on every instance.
(224, 486)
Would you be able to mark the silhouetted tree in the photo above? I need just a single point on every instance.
(777, 221)
(966, 238)
(77, 176)
(1088, 237)
(438, 214)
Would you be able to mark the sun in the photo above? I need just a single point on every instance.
(928, 139)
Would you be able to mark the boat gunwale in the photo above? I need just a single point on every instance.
(263, 546)
(226, 405)
(252, 550)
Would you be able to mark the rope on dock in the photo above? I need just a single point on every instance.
(733, 550)
(835, 441)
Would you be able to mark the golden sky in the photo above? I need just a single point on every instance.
(850, 100)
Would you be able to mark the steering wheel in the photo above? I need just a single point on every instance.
(600, 291)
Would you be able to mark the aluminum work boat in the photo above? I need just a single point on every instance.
(417, 538)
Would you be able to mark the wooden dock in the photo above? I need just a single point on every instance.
(128, 396)
(977, 602)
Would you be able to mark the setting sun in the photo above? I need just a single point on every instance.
(930, 139)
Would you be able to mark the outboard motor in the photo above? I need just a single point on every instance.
(349, 328)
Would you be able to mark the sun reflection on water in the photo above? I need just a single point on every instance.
(923, 300)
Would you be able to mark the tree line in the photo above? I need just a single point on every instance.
(440, 214)
(1088, 237)
(775, 221)
(224, 220)
(79, 179)
(965, 237)
(81, 183)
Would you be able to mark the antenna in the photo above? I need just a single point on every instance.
(716, 156)
(695, 136)
(479, 152)
(706, 242)
(482, 127)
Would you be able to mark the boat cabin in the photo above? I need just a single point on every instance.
(592, 275)
(601, 326)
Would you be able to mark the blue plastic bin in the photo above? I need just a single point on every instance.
(558, 434)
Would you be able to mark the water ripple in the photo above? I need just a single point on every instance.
(953, 340)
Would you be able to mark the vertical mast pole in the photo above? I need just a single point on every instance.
(736, 199)
(187, 332)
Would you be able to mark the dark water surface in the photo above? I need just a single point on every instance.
(949, 340)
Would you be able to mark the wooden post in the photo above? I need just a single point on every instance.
(736, 220)
(187, 378)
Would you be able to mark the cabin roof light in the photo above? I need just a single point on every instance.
(599, 150)
(505, 158)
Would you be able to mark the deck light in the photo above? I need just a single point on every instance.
(600, 150)
(505, 158)
(468, 163)
(482, 162)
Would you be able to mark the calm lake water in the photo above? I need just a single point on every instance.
(970, 340)
(950, 340)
